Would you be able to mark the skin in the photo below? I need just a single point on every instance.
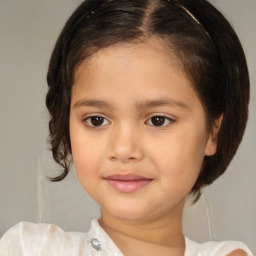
(127, 85)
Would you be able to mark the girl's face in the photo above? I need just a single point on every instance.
(138, 131)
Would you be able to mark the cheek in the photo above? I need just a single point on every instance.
(86, 163)
(85, 156)
(85, 153)
(179, 158)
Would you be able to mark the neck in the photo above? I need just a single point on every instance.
(162, 235)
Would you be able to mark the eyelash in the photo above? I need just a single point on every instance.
(166, 119)
(89, 122)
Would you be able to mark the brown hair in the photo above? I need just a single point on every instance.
(210, 53)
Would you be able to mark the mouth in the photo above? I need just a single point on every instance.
(127, 183)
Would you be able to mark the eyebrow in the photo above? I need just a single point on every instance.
(140, 105)
(91, 103)
(162, 102)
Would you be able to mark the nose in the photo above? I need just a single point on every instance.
(125, 144)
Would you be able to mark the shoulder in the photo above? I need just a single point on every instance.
(28, 238)
(221, 248)
(26, 230)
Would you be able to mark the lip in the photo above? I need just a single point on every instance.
(127, 183)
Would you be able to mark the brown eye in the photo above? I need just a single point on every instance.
(159, 121)
(96, 121)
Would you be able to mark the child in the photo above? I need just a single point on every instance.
(142, 96)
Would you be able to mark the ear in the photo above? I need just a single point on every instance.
(212, 142)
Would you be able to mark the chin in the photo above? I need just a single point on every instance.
(131, 214)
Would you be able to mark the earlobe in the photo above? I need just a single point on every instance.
(212, 142)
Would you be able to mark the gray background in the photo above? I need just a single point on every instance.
(28, 30)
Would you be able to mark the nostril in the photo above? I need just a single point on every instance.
(113, 158)
(132, 158)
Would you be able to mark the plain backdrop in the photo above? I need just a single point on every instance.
(28, 31)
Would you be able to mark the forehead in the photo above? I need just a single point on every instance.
(132, 73)
(152, 50)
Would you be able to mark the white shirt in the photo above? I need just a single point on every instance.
(28, 239)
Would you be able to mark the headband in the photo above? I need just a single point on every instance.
(178, 5)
